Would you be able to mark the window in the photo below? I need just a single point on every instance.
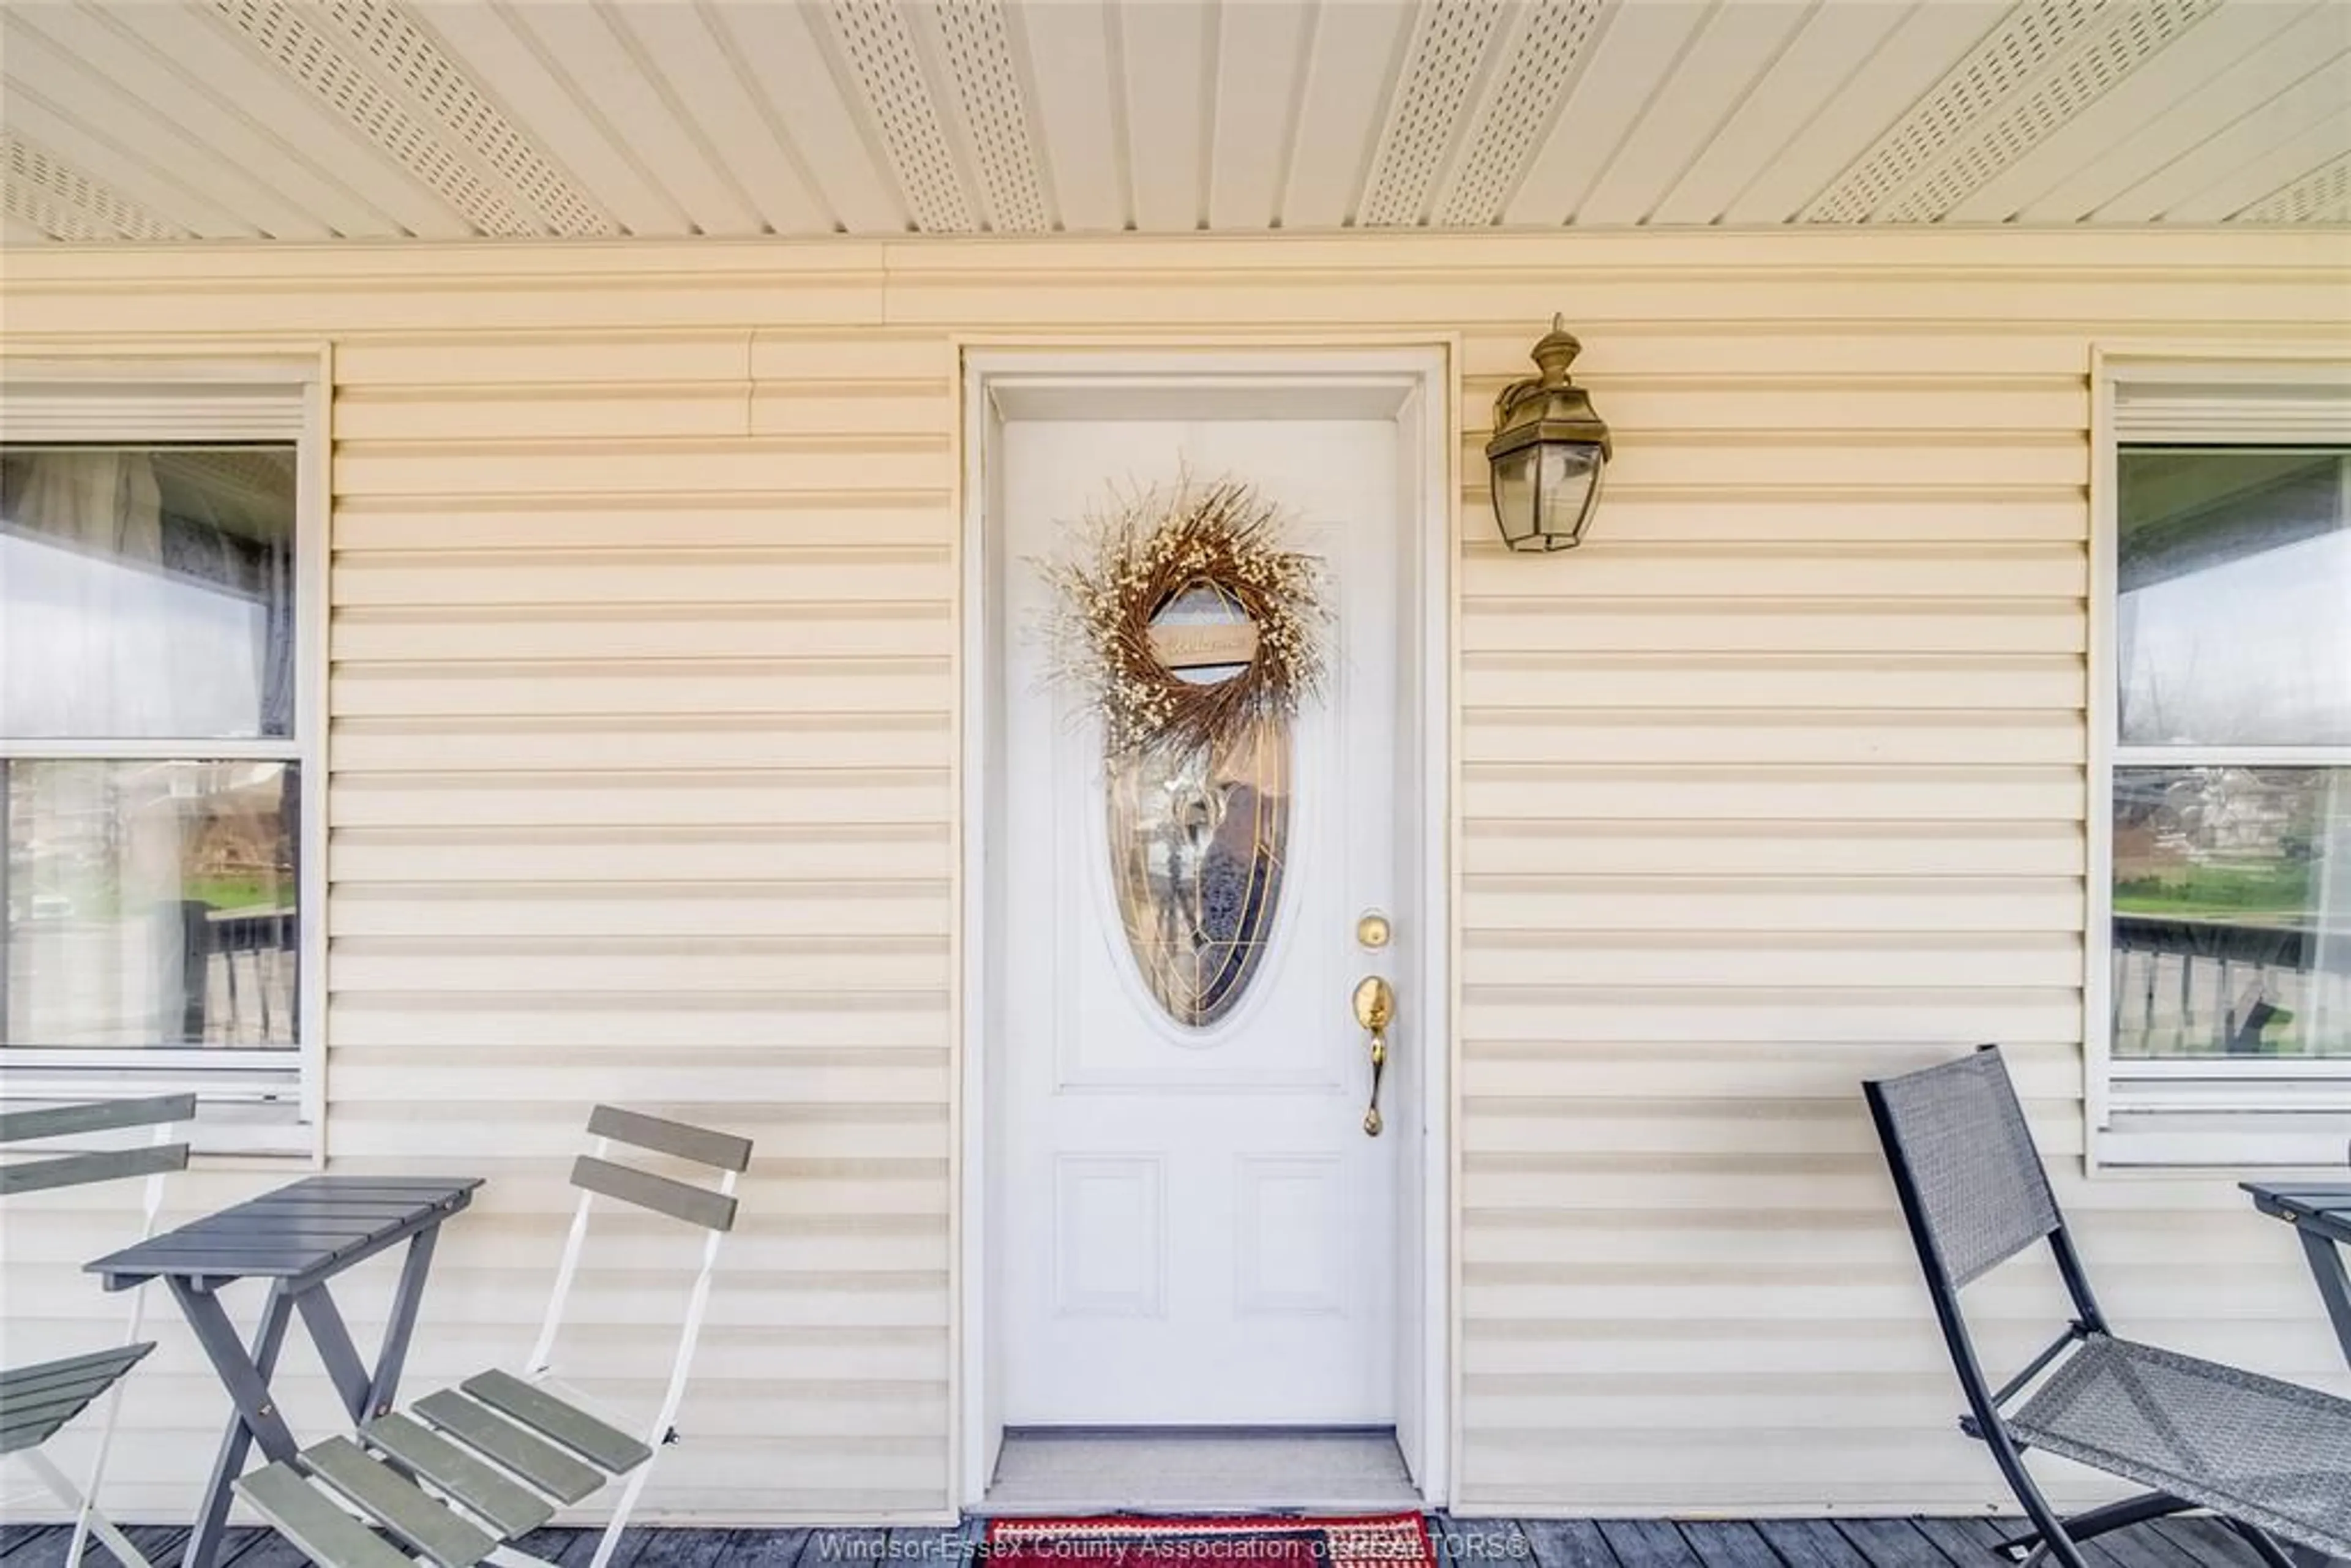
(2221, 929)
(158, 909)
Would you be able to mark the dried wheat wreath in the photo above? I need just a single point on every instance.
(1144, 550)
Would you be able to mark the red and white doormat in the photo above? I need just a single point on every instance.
(1130, 1541)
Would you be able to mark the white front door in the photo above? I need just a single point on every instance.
(1192, 1227)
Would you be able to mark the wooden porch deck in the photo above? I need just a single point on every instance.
(1463, 1543)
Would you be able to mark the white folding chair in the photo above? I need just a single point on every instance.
(37, 1402)
(469, 1470)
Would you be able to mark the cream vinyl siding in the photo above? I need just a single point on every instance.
(642, 786)
(640, 778)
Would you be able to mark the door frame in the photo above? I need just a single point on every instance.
(1420, 371)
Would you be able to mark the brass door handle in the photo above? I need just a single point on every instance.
(1375, 1009)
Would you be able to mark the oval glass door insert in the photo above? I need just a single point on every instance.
(1197, 848)
(1197, 842)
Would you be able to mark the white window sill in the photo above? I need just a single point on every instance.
(2234, 1123)
(248, 1122)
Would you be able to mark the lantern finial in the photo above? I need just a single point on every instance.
(1555, 351)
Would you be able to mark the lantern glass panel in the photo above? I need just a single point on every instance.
(1571, 483)
(1514, 495)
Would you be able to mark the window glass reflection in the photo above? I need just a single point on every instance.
(147, 594)
(2232, 912)
(149, 904)
(2233, 625)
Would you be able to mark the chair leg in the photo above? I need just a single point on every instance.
(85, 1512)
(2048, 1527)
(612, 1540)
(2099, 1520)
(2258, 1540)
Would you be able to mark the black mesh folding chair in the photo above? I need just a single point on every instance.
(2271, 1459)
(38, 1401)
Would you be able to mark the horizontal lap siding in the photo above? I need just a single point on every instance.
(640, 780)
(1775, 783)
(642, 784)
(641, 792)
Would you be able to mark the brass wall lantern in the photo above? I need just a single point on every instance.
(1548, 450)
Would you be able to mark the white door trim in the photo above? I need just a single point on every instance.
(1419, 380)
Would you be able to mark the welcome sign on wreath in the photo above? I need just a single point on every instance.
(1184, 623)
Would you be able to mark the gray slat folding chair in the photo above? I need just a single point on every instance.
(2271, 1459)
(37, 1402)
(467, 1472)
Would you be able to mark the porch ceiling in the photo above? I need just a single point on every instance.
(311, 119)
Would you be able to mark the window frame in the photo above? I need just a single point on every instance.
(2261, 1114)
(250, 1101)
